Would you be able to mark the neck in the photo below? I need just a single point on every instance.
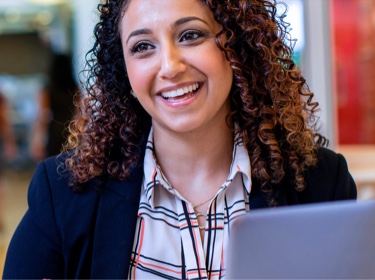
(195, 159)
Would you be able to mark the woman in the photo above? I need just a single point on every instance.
(9, 149)
(195, 114)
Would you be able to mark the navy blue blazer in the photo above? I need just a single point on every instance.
(65, 234)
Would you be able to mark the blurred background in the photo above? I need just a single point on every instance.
(42, 48)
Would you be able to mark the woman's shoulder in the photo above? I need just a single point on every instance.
(330, 179)
(51, 180)
(330, 165)
(326, 155)
(51, 176)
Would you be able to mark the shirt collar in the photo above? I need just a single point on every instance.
(154, 177)
(240, 163)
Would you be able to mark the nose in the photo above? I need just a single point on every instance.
(172, 63)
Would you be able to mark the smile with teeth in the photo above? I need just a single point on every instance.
(188, 91)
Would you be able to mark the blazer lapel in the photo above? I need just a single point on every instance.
(115, 227)
(283, 195)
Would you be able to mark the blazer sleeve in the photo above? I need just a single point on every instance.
(35, 248)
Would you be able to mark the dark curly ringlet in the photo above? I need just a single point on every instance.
(270, 99)
(271, 102)
(105, 133)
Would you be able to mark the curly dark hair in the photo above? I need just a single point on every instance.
(271, 102)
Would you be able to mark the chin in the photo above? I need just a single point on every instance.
(180, 127)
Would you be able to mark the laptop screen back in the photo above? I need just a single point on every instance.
(333, 240)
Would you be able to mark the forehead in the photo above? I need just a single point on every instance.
(147, 12)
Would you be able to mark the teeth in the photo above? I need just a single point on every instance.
(180, 92)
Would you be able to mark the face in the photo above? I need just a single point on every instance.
(175, 68)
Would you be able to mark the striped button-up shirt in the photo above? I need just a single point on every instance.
(167, 241)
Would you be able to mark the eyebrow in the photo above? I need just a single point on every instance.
(138, 32)
(187, 19)
(178, 22)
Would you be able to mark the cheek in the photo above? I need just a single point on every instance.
(135, 76)
(217, 67)
(213, 61)
(139, 72)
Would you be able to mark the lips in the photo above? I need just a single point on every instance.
(181, 93)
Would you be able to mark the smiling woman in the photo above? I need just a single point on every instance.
(169, 52)
(194, 113)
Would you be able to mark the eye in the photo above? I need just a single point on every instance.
(191, 35)
(141, 47)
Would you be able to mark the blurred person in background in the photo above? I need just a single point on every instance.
(56, 109)
(9, 145)
(8, 138)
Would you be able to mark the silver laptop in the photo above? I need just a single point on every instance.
(334, 240)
